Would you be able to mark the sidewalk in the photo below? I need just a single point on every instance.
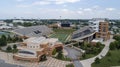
(88, 62)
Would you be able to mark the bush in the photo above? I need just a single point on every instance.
(60, 55)
(108, 54)
(98, 44)
(9, 49)
(54, 52)
(112, 46)
(84, 55)
(109, 59)
(70, 65)
(97, 60)
(59, 49)
(14, 46)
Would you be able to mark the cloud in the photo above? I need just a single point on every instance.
(41, 3)
(47, 2)
(23, 6)
(87, 9)
(110, 9)
(65, 1)
(80, 12)
(19, 0)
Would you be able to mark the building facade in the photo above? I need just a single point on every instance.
(85, 34)
(32, 49)
(103, 31)
(101, 27)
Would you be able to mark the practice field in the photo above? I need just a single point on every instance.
(61, 34)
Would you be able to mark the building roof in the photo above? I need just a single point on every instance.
(82, 32)
(35, 40)
(40, 40)
(33, 31)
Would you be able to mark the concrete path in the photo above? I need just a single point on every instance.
(88, 62)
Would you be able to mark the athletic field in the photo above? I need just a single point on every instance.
(61, 34)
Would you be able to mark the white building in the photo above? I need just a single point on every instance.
(22, 21)
(94, 23)
(4, 25)
(35, 42)
(17, 21)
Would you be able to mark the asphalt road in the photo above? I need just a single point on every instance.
(74, 54)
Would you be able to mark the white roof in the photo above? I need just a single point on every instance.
(35, 40)
(40, 40)
(95, 41)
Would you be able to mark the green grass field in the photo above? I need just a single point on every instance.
(109, 61)
(61, 34)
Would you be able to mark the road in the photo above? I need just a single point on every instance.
(74, 54)
(88, 62)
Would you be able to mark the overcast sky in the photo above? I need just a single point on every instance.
(53, 9)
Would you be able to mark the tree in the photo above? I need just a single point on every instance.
(112, 46)
(9, 49)
(9, 39)
(116, 37)
(59, 49)
(54, 52)
(98, 44)
(3, 42)
(3, 37)
(14, 46)
(84, 55)
(97, 60)
(60, 55)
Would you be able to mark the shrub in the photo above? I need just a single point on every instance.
(60, 55)
(97, 60)
(70, 65)
(54, 52)
(9, 49)
(108, 54)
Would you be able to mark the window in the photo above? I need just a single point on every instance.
(104, 29)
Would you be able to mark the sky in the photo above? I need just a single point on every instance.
(59, 9)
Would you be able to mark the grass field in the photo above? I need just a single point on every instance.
(109, 61)
(61, 34)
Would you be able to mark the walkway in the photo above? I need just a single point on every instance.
(88, 62)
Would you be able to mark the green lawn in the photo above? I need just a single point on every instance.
(61, 34)
(107, 61)
(92, 53)
(70, 65)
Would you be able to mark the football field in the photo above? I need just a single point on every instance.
(61, 34)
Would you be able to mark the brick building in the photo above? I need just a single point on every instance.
(102, 29)
(32, 49)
